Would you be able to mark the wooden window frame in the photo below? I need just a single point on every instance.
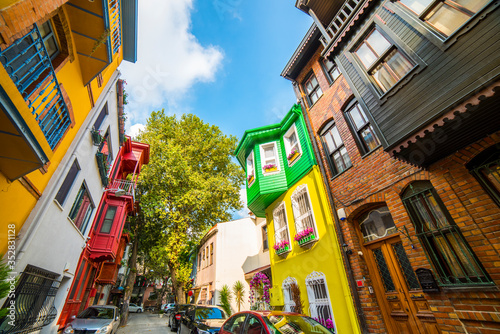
(74, 213)
(211, 253)
(360, 141)
(329, 71)
(314, 91)
(484, 161)
(333, 166)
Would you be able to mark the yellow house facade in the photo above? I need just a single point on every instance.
(314, 264)
(55, 60)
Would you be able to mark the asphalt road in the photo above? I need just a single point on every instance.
(145, 323)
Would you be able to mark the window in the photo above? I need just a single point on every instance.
(250, 169)
(68, 182)
(334, 148)
(49, 39)
(446, 248)
(312, 89)
(360, 124)
(302, 210)
(332, 71)
(377, 224)
(34, 301)
(265, 242)
(319, 299)
(486, 168)
(445, 16)
(254, 326)
(287, 294)
(382, 60)
(109, 217)
(105, 149)
(100, 118)
(280, 224)
(82, 209)
(269, 158)
(199, 261)
(292, 145)
(234, 324)
(211, 253)
(208, 256)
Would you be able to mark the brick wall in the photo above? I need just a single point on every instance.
(376, 179)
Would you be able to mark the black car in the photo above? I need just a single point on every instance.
(175, 315)
(202, 319)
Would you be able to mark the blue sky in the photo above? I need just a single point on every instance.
(218, 59)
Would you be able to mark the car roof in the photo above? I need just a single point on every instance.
(265, 313)
(102, 306)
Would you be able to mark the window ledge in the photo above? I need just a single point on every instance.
(76, 228)
(471, 288)
(368, 153)
(294, 160)
(342, 172)
(271, 173)
(311, 239)
(58, 205)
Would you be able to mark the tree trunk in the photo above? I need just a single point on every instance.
(180, 296)
(130, 282)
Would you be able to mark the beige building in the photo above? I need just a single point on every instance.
(229, 252)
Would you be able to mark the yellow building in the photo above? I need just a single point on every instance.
(56, 58)
(284, 184)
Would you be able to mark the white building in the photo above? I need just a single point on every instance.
(55, 233)
(229, 252)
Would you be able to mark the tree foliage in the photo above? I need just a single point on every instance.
(239, 293)
(189, 184)
(225, 299)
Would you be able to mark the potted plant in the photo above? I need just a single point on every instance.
(270, 168)
(250, 179)
(293, 155)
(305, 236)
(282, 247)
(96, 137)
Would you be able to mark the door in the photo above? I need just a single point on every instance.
(396, 286)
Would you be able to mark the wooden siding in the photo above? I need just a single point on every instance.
(449, 75)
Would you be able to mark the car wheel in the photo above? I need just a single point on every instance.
(179, 329)
(139, 310)
(172, 328)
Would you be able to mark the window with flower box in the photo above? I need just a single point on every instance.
(305, 226)
(319, 300)
(281, 236)
(269, 158)
(292, 145)
(250, 169)
(444, 16)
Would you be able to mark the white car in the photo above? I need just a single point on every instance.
(135, 308)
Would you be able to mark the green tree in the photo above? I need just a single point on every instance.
(4, 284)
(189, 184)
(239, 293)
(225, 298)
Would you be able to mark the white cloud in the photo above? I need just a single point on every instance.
(135, 129)
(169, 61)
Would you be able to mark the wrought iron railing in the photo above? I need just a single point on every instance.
(30, 68)
(125, 185)
(115, 24)
(34, 302)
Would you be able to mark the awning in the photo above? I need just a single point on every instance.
(249, 275)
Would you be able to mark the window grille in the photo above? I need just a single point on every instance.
(280, 224)
(486, 169)
(302, 210)
(289, 304)
(444, 245)
(319, 299)
(34, 301)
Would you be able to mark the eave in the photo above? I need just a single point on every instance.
(129, 29)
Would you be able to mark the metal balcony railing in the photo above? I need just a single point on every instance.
(123, 185)
(115, 24)
(30, 68)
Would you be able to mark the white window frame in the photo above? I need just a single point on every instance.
(263, 159)
(251, 165)
(300, 216)
(278, 208)
(289, 304)
(289, 147)
(312, 280)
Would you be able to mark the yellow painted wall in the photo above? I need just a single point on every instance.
(323, 256)
(16, 203)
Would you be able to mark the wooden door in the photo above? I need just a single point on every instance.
(397, 289)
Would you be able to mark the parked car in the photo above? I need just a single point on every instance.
(168, 307)
(95, 319)
(271, 322)
(175, 316)
(202, 319)
(135, 308)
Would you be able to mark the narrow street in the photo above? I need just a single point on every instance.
(145, 323)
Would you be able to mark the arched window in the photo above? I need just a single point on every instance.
(446, 248)
(287, 294)
(377, 224)
(486, 169)
(319, 299)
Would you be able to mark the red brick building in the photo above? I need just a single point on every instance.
(411, 157)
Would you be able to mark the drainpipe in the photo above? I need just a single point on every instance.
(350, 277)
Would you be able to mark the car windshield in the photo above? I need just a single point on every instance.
(292, 324)
(96, 313)
(203, 313)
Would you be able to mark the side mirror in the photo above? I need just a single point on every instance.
(117, 318)
(73, 317)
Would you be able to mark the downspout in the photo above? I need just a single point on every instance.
(350, 277)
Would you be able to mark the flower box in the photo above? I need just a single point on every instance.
(282, 247)
(306, 240)
(291, 158)
(305, 236)
(250, 179)
(270, 168)
(281, 251)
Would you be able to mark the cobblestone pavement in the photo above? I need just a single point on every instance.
(145, 323)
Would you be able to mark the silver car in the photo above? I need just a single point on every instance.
(95, 319)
